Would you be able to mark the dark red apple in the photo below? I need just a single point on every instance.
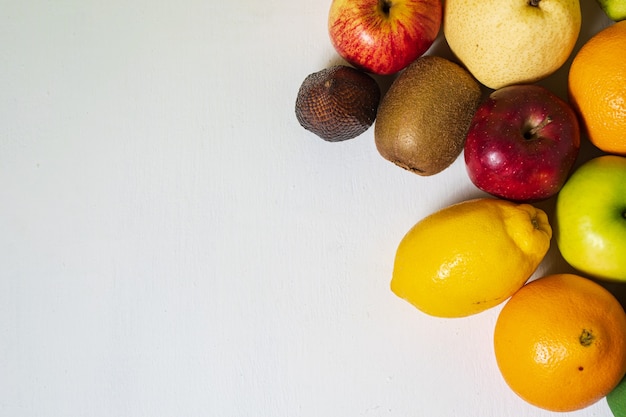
(522, 143)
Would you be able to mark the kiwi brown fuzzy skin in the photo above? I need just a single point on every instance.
(423, 118)
(338, 103)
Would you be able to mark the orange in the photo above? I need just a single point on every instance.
(560, 342)
(597, 88)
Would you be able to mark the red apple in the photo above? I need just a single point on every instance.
(522, 143)
(383, 36)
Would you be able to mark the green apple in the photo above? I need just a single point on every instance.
(614, 9)
(590, 218)
(504, 42)
(617, 399)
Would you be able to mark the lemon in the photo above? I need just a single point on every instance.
(470, 256)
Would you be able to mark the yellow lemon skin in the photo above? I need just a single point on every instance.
(470, 256)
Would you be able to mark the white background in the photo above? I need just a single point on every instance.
(173, 243)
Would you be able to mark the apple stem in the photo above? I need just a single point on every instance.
(385, 6)
(533, 132)
(534, 3)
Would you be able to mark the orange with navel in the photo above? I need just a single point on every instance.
(560, 342)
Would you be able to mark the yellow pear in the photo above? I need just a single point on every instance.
(505, 42)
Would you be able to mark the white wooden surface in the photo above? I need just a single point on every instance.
(173, 243)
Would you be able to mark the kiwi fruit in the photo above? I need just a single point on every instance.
(338, 103)
(424, 117)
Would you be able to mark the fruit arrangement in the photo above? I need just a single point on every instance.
(560, 339)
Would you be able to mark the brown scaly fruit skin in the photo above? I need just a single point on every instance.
(337, 103)
(423, 118)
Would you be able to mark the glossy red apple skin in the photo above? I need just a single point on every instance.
(383, 36)
(522, 143)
